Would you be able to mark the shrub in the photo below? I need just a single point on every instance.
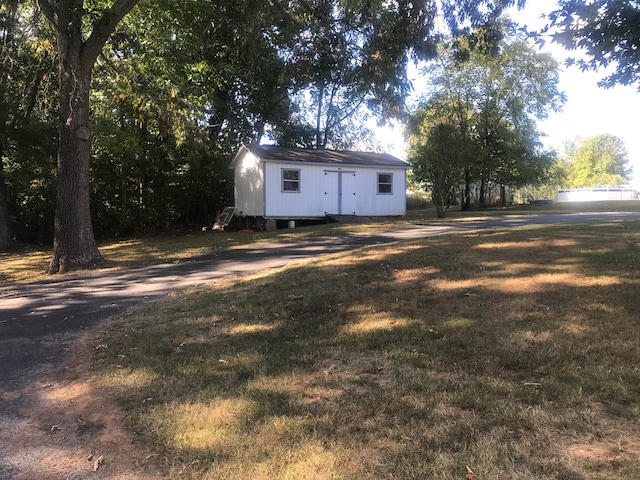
(418, 200)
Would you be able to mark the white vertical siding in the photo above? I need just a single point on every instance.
(370, 202)
(331, 192)
(320, 192)
(308, 202)
(249, 186)
(351, 193)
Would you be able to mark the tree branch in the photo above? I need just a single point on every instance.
(104, 27)
(47, 9)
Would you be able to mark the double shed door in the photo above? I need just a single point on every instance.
(340, 192)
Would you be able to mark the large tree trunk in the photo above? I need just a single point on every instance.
(74, 245)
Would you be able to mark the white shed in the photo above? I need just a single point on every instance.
(296, 183)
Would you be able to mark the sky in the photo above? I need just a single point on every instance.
(589, 110)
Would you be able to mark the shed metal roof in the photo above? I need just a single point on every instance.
(331, 157)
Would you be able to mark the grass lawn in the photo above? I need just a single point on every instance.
(30, 263)
(511, 354)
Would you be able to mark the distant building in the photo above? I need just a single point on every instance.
(595, 194)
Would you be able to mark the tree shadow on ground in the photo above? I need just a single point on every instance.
(494, 350)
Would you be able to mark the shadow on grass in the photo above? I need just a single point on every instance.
(495, 350)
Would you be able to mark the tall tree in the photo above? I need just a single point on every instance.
(518, 86)
(81, 34)
(439, 148)
(491, 89)
(600, 160)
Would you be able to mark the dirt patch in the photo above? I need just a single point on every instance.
(67, 429)
(608, 450)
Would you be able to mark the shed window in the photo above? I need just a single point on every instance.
(385, 182)
(290, 180)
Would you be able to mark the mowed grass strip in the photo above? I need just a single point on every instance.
(30, 264)
(514, 353)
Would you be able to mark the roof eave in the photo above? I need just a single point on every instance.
(336, 165)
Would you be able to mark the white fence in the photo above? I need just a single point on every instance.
(595, 194)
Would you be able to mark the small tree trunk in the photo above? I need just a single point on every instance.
(438, 198)
(74, 245)
(5, 221)
(6, 39)
(6, 239)
(319, 142)
(124, 200)
(466, 202)
(483, 193)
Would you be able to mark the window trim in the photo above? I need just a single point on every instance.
(283, 180)
(389, 183)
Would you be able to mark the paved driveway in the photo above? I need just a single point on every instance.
(40, 321)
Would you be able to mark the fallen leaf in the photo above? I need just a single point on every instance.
(470, 475)
(99, 461)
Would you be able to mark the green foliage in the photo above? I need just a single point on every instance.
(418, 200)
(180, 84)
(478, 124)
(30, 179)
(556, 179)
(174, 95)
(600, 160)
(348, 58)
(607, 30)
(438, 150)
(27, 126)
